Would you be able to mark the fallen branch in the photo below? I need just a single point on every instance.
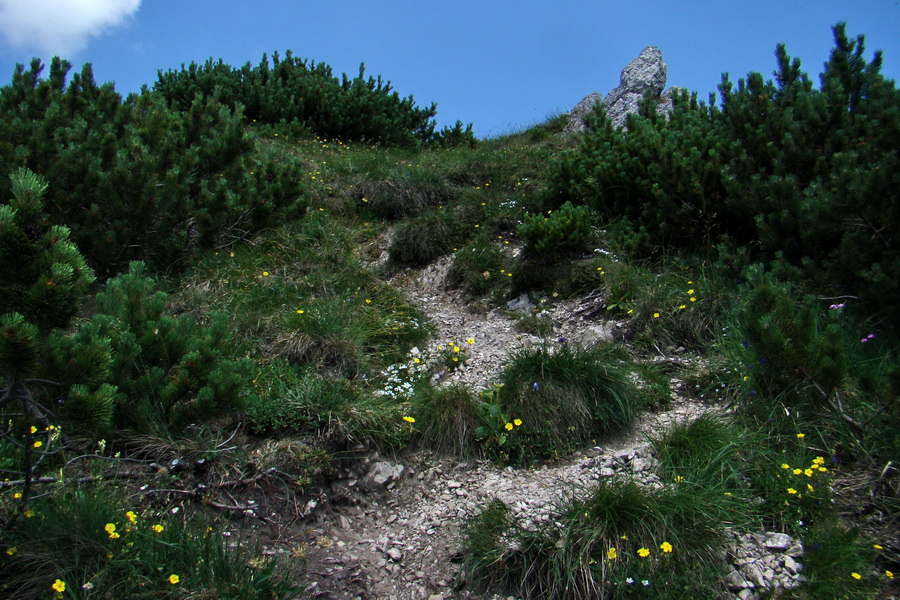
(199, 495)
(85, 479)
(243, 482)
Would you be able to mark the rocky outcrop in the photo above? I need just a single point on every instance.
(763, 564)
(646, 73)
(578, 114)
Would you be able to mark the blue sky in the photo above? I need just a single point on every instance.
(499, 64)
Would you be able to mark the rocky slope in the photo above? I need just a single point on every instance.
(391, 529)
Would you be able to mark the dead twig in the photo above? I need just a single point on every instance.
(85, 479)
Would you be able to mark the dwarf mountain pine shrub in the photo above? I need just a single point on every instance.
(135, 179)
(799, 174)
(297, 91)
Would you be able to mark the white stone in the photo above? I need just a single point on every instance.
(778, 541)
(394, 554)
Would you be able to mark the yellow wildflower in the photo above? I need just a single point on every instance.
(517, 422)
(855, 575)
(666, 547)
(643, 552)
(157, 528)
(59, 586)
(611, 554)
(508, 426)
(173, 579)
(409, 419)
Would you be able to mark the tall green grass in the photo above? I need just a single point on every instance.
(565, 396)
(617, 540)
(101, 545)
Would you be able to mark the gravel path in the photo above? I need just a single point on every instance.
(392, 529)
(401, 540)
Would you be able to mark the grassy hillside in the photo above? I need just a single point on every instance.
(262, 343)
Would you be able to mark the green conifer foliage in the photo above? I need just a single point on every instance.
(661, 175)
(44, 276)
(131, 365)
(564, 231)
(803, 176)
(170, 370)
(300, 92)
(792, 345)
(135, 179)
(43, 280)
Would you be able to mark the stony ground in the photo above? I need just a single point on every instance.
(390, 529)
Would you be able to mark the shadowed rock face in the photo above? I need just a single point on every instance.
(646, 72)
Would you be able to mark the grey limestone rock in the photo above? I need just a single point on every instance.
(602, 333)
(666, 103)
(778, 541)
(382, 474)
(581, 110)
(645, 73)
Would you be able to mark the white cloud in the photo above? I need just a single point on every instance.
(60, 26)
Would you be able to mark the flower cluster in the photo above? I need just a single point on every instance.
(398, 381)
(450, 356)
(809, 472)
(113, 532)
(691, 295)
(641, 570)
(643, 552)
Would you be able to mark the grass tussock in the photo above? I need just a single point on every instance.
(93, 542)
(446, 419)
(565, 397)
(608, 542)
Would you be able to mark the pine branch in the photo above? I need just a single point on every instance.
(43, 381)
